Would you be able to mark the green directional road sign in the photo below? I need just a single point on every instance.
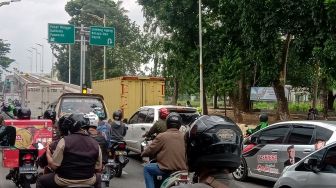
(61, 33)
(102, 36)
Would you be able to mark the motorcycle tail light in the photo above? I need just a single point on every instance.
(183, 177)
(122, 146)
(27, 157)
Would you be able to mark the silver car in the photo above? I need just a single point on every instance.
(315, 170)
(143, 119)
(267, 152)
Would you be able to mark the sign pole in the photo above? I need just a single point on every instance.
(104, 51)
(81, 59)
(200, 55)
(69, 64)
(84, 52)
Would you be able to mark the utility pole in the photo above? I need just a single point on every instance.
(200, 54)
(31, 60)
(81, 58)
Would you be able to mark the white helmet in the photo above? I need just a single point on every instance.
(93, 119)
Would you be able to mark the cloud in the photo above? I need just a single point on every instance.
(25, 23)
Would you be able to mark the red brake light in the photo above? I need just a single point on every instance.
(28, 157)
(183, 177)
(122, 146)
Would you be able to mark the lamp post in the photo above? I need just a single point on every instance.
(200, 54)
(8, 2)
(42, 47)
(31, 60)
(35, 57)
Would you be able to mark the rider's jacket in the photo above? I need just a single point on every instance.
(158, 127)
(77, 156)
(118, 131)
(169, 148)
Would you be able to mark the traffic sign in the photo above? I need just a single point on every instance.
(102, 36)
(61, 33)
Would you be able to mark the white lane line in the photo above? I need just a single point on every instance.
(124, 172)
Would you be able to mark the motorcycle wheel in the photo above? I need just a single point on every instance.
(118, 171)
(104, 185)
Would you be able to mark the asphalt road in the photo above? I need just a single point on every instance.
(132, 177)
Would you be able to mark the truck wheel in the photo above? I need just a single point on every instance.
(241, 173)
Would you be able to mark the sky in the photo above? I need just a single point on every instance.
(25, 23)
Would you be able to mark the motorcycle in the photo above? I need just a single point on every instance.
(144, 144)
(108, 173)
(26, 172)
(117, 157)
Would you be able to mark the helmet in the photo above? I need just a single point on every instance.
(49, 114)
(23, 113)
(163, 113)
(76, 121)
(63, 126)
(174, 120)
(93, 119)
(214, 142)
(263, 118)
(117, 115)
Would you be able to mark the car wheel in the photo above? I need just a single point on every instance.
(241, 173)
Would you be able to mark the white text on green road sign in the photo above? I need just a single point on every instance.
(102, 36)
(61, 33)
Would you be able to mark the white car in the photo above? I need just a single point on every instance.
(146, 116)
(316, 170)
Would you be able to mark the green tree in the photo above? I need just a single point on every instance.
(5, 61)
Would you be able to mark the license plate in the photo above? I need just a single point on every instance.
(27, 170)
(105, 177)
(120, 152)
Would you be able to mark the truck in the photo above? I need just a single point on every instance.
(129, 93)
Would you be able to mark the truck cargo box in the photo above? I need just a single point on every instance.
(130, 92)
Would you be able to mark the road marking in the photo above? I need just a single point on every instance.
(124, 172)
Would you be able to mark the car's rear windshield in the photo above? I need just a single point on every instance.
(188, 114)
(82, 105)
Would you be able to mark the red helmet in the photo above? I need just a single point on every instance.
(163, 113)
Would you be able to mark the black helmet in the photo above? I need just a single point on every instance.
(75, 122)
(263, 118)
(174, 120)
(117, 115)
(23, 113)
(49, 114)
(63, 125)
(214, 142)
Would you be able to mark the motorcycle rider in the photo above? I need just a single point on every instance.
(103, 127)
(160, 125)
(118, 129)
(92, 130)
(77, 150)
(263, 118)
(169, 148)
(214, 149)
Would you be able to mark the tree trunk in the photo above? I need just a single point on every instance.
(315, 86)
(156, 62)
(205, 104)
(331, 99)
(234, 98)
(325, 98)
(279, 83)
(215, 100)
(175, 94)
(243, 99)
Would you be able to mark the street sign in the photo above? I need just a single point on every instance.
(61, 33)
(102, 36)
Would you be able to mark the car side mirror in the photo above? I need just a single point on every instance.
(311, 164)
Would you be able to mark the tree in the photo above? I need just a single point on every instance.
(5, 61)
(124, 59)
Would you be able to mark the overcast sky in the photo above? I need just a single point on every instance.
(23, 24)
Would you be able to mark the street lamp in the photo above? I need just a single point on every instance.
(8, 2)
(41, 45)
(31, 60)
(104, 22)
(35, 57)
